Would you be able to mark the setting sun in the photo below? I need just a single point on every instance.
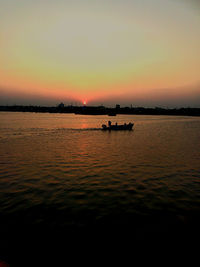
(107, 52)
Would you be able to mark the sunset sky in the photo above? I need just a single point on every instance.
(139, 52)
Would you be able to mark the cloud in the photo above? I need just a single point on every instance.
(11, 97)
(187, 96)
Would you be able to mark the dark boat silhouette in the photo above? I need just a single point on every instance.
(116, 127)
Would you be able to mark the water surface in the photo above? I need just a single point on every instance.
(61, 175)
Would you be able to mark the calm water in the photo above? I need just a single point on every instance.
(61, 175)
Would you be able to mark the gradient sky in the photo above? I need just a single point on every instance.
(139, 52)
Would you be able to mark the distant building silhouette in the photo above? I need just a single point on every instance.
(101, 110)
(61, 105)
(117, 106)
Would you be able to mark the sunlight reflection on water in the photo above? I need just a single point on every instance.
(60, 171)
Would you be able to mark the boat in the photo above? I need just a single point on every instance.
(116, 127)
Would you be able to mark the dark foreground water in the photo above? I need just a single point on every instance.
(64, 183)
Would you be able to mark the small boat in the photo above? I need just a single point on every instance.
(116, 127)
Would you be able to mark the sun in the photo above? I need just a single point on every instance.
(84, 102)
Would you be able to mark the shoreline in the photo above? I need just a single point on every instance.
(101, 110)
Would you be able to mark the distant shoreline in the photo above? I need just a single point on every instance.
(101, 110)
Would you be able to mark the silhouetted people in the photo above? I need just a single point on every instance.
(109, 123)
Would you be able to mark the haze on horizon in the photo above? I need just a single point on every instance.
(144, 53)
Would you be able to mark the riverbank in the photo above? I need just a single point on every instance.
(101, 110)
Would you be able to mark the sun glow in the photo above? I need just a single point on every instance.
(110, 50)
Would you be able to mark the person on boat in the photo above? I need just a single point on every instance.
(109, 123)
(116, 123)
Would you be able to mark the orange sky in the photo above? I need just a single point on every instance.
(130, 52)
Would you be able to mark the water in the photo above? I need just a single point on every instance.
(61, 177)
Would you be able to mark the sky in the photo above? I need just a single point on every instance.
(130, 52)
